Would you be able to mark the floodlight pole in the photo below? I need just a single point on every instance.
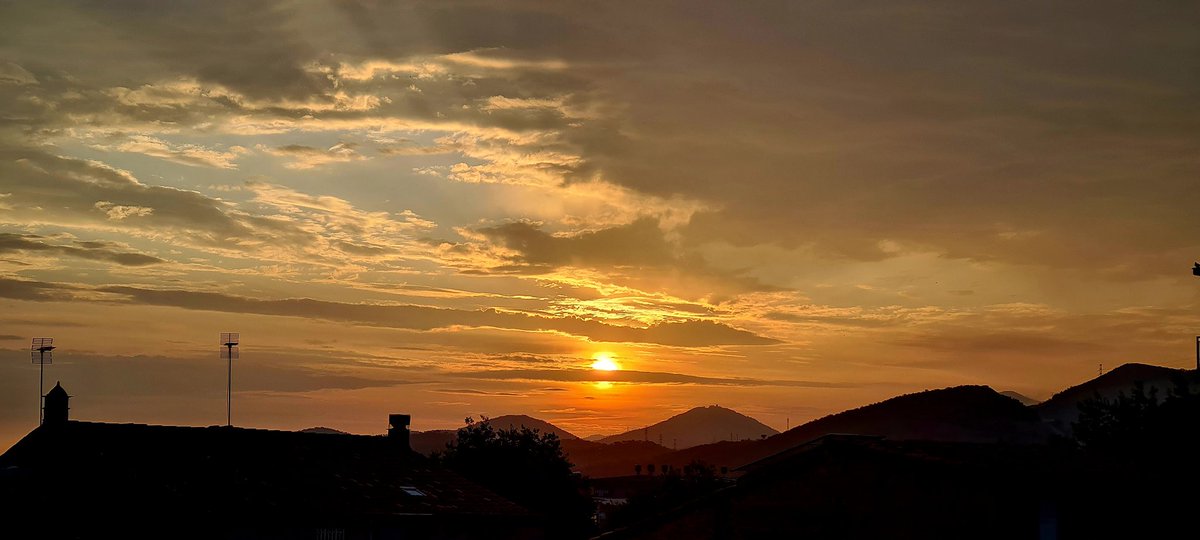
(42, 350)
(41, 387)
(229, 387)
(1196, 272)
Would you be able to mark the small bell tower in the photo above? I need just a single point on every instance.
(57, 405)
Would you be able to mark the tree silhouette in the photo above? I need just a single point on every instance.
(1137, 454)
(1140, 422)
(1111, 423)
(677, 486)
(527, 467)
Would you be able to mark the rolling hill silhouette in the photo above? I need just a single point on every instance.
(323, 430)
(427, 442)
(1024, 399)
(510, 421)
(599, 460)
(701, 425)
(963, 414)
(956, 414)
(614, 456)
(1061, 410)
(959, 413)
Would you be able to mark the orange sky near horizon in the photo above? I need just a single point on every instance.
(458, 209)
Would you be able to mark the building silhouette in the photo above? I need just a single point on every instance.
(72, 479)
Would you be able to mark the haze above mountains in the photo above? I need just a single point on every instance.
(726, 438)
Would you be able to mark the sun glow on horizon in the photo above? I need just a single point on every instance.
(604, 361)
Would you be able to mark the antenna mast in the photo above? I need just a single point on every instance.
(40, 352)
(229, 351)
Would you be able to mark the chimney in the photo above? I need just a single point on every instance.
(57, 405)
(398, 430)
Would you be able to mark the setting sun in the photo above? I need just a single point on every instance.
(605, 362)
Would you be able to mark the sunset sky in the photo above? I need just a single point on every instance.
(456, 208)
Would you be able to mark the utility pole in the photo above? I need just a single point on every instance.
(1196, 272)
(41, 353)
(229, 350)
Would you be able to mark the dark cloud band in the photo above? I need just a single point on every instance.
(692, 333)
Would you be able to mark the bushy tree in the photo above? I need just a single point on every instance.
(1140, 422)
(1111, 423)
(528, 468)
(1138, 455)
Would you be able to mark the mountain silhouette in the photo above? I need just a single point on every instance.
(1024, 399)
(427, 442)
(959, 413)
(956, 414)
(1061, 410)
(323, 430)
(701, 425)
(510, 421)
(599, 460)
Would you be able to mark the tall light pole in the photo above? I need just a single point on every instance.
(229, 350)
(1196, 272)
(40, 351)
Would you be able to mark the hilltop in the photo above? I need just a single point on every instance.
(1024, 399)
(959, 413)
(956, 414)
(701, 425)
(427, 442)
(323, 430)
(975, 414)
(616, 455)
(1061, 410)
(510, 421)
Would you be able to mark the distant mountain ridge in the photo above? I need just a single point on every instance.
(701, 425)
(511, 421)
(955, 414)
(963, 413)
(1024, 399)
(323, 430)
(436, 440)
(958, 413)
(1061, 410)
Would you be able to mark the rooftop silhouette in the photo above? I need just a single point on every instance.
(125, 477)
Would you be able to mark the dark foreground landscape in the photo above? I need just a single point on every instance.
(1113, 457)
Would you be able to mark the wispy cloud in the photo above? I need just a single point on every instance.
(308, 157)
(693, 333)
(97, 251)
(626, 376)
(185, 154)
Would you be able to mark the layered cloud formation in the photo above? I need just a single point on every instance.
(786, 206)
